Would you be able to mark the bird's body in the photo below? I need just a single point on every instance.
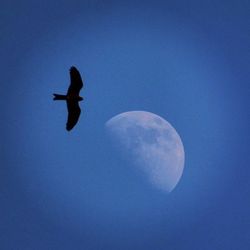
(67, 97)
(72, 98)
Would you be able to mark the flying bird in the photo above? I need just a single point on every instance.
(72, 98)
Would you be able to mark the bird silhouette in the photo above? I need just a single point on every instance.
(72, 98)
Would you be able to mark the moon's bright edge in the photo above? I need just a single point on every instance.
(155, 146)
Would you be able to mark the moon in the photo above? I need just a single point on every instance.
(153, 145)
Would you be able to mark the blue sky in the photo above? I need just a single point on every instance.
(187, 61)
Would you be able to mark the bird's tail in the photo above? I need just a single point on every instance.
(59, 97)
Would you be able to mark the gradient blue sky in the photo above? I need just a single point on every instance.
(187, 61)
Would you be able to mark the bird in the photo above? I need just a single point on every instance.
(72, 98)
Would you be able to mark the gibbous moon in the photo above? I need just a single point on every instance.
(154, 145)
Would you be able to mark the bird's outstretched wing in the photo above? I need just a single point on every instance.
(75, 82)
(74, 112)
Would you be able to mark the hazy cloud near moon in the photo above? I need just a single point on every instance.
(154, 144)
